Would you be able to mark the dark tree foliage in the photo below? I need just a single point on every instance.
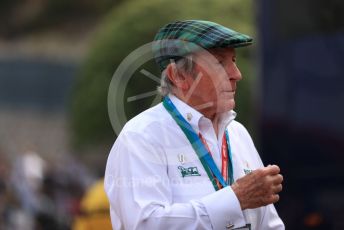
(129, 26)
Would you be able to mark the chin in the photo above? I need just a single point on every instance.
(225, 107)
(233, 105)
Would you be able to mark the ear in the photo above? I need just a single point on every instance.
(176, 77)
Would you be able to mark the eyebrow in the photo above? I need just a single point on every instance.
(219, 55)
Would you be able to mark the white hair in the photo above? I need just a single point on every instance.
(185, 65)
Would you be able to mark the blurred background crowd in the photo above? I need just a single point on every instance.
(47, 181)
(57, 58)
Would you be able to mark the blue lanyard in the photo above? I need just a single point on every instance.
(201, 151)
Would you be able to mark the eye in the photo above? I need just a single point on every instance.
(234, 58)
(220, 61)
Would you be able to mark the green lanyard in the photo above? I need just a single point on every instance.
(203, 154)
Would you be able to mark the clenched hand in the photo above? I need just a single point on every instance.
(259, 188)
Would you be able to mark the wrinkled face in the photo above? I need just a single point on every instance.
(213, 87)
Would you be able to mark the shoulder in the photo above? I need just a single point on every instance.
(237, 129)
(148, 122)
(239, 134)
(139, 138)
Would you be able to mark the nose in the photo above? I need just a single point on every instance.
(234, 73)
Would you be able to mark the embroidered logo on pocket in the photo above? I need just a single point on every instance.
(190, 171)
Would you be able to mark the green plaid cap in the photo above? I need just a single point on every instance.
(180, 38)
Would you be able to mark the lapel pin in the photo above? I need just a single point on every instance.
(181, 158)
(189, 116)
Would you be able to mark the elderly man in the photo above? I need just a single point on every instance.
(186, 163)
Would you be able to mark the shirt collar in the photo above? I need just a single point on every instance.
(194, 117)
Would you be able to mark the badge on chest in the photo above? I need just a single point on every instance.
(188, 171)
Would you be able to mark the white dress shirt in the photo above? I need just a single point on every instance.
(146, 187)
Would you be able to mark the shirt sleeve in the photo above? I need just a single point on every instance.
(138, 188)
(270, 219)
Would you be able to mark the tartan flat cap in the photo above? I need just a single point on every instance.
(180, 38)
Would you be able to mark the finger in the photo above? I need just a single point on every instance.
(272, 170)
(273, 198)
(277, 189)
(276, 179)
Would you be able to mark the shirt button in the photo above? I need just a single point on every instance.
(189, 116)
(229, 226)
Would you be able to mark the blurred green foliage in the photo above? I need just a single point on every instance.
(131, 25)
(20, 17)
